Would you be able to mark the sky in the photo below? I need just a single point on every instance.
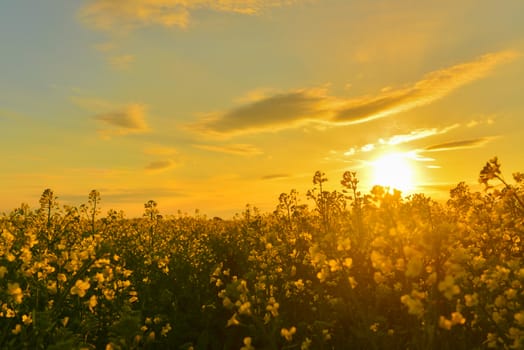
(212, 105)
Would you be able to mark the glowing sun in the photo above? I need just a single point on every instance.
(394, 171)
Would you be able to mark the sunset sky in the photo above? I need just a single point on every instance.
(216, 104)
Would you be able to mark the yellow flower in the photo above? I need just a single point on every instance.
(3, 271)
(497, 317)
(51, 287)
(99, 277)
(492, 340)
(306, 344)
(245, 308)
(471, 299)
(17, 329)
(166, 329)
(519, 317)
(378, 277)
(233, 321)
(414, 267)
(500, 301)
(448, 287)
(27, 320)
(80, 288)
(247, 344)
(299, 284)
(92, 302)
(151, 336)
(415, 306)
(344, 244)
(227, 303)
(444, 323)
(348, 262)
(333, 265)
(109, 294)
(288, 333)
(15, 291)
(457, 318)
(133, 297)
(272, 307)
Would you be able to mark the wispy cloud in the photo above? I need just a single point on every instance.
(130, 119)
(295, 108)
(279, 111)
(416, 135)
(121, 61)
(115, 118)
(432, 87)
(127, 15)
(236, 149)
(275, 176)
(455, 145)
(159, 165)
(394, 140)
(159, 150)
(485, 121)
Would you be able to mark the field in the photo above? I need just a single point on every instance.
(348, 271)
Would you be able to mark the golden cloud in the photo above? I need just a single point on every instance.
(129, 14)
(295, 108)
(236, 149)
(130, 119)
(159, 165)
(462, 144)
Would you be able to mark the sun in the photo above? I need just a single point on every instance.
(394, 171)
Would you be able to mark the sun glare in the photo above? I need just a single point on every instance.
(394, 171)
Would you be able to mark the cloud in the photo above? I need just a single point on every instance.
(130, 119)
(121, 61)
(159, 165)
(432, 87)
(485, 121)
(129, 14)
(295, 108)
(275, 176)
(398, 139)
(280, 111)
(367, 148)
(236, 149)
(455, 145)
(159, 150)
(416, 135)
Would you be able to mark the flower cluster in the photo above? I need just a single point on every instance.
(373, 271)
